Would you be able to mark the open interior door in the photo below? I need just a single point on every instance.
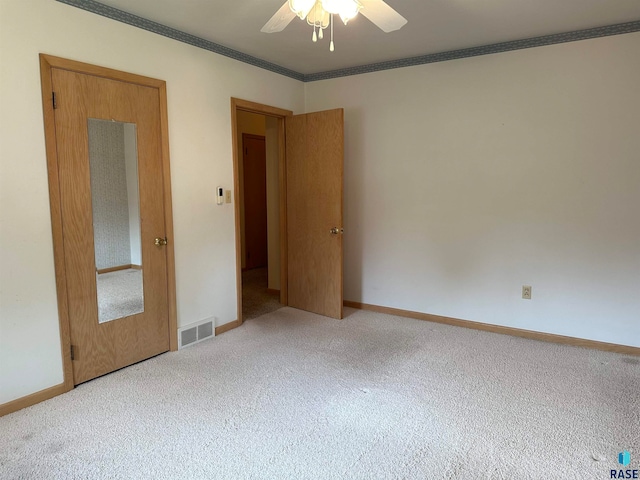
(315, 156)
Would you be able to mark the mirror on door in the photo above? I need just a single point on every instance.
(113, 159)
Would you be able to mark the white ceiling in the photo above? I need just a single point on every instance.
(434, 26)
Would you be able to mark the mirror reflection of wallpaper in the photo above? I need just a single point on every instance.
(114, 192)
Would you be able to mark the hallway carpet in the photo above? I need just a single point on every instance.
(291, 395)
(256, 299)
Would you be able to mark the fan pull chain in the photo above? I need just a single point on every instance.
(314, 37)
(320, 34)
(331, 47)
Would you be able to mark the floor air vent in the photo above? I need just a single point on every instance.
(195, 333)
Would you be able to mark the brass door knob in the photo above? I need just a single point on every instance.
(336, 231)
(160, 242)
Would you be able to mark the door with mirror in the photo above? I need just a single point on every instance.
(108, 140)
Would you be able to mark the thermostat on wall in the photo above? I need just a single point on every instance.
(220, 196)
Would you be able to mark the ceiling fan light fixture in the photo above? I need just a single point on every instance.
(347, 9)
(318, 17)
(301, 7)
(319, 14)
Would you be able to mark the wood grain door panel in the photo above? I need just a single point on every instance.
(102, 348)
(315, 156)
(254, 162)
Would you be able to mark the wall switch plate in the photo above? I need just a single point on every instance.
(227, 196)
(526, 292)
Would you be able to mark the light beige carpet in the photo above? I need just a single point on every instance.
(294, 395)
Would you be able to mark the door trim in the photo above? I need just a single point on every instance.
(47, 62)
(238, 104)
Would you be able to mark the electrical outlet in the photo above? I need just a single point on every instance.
(227, 196)
(526, 292)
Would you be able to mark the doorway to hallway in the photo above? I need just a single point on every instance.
(258, 172)
(307, 170)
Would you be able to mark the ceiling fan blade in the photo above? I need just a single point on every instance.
(382, 15)
(280, 20)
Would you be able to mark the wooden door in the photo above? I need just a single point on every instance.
(254, 163)
(315, 153)
(99, 348)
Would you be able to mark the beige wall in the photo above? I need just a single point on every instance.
(131, 160)
(466, 179)
(200, 85)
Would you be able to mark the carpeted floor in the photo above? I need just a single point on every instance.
(294, 395)
(256, 300)
(119, 294)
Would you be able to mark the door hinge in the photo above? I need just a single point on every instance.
(53, 100)
(73, 352)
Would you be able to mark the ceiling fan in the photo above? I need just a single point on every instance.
(319, 14)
